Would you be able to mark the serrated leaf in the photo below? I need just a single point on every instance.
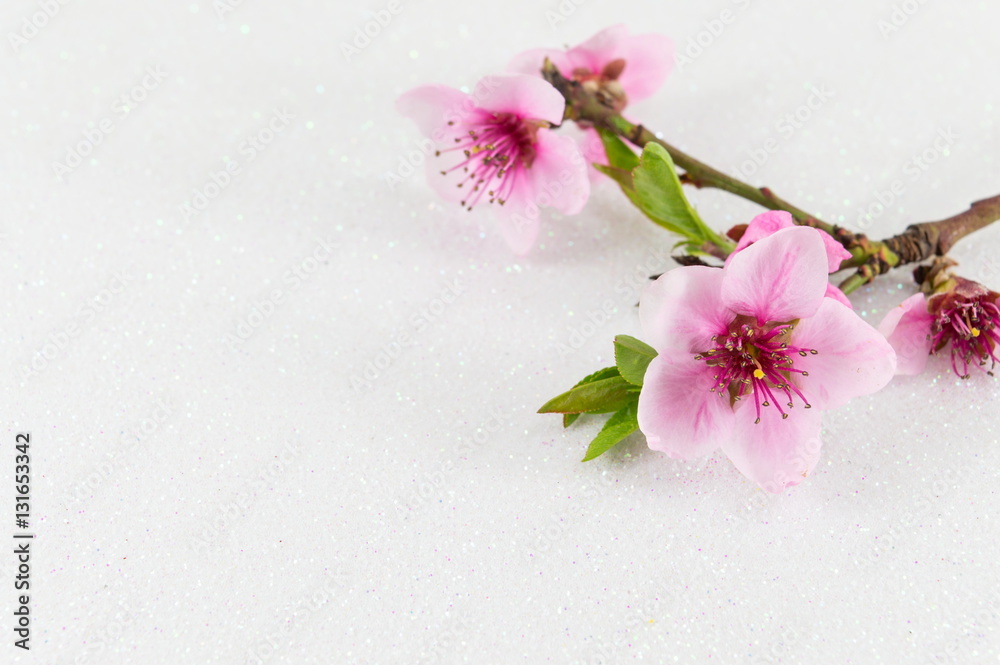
(632, 357)
(659, 195)
(601, 396)
(616, 430)
(606, 373)
(620, 156)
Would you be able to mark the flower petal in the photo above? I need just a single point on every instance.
(763, 225)
(835, 252)
(604, 47)
(519, 231)
(908, 327)
(525, 96)
(775, 453)
(648, 62)
(558, 174)
(531, 62)
(683, 309)
(557, 179)
(852, 358)
(838, 295)
(678, 412)
(778, 278)
(432, 107)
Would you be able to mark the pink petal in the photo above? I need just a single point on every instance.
(557, 179)
(772, 221)
(558, 175)
(604, 47)
(683, 309)
(432, 107)
(775, 453)
(763, 225)
(838, 295)
(531, 62)
(908, 327)
(852, 357)
(446, 186)
(525, 96)
(678, 413)
(779, 278)
(519, 231)
(648, 62)
(835, 252)
(519, 217)
(593, 151)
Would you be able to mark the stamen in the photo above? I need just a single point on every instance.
(757, 362)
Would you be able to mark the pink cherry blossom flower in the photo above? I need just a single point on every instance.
(770, 222)
(496, 146)
(628, 67)
(965, 317)
(750, 355)
(624, 68)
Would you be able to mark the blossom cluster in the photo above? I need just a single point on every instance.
(496, 145)
(742, 355)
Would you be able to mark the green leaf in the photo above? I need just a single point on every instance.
(621, 176)
(620, 156)
(632, 357)
(659, 195)
(618, 427)
(606, 373)
(599, 396)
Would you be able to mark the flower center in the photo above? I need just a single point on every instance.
(970, 326)
(605, 84)
(758, 362)
(496, 149)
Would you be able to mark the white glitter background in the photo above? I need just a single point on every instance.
(203, 501)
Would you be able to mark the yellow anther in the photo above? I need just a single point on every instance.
(975, 332)
(758, 373)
